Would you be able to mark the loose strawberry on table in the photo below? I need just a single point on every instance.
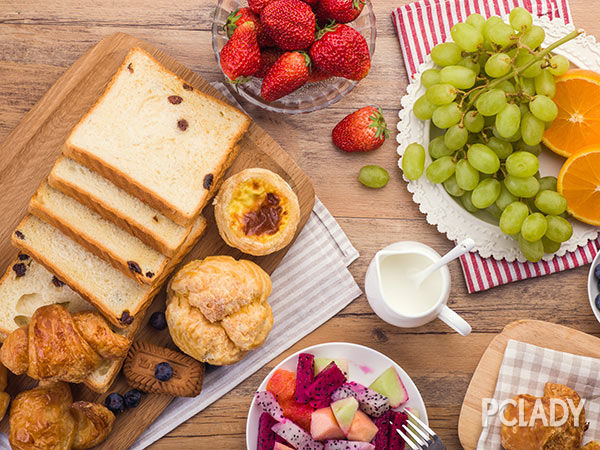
(342, 11)
(290, 72)
(240, 57)
(242, 15)
(341, 51)
(362, 131)
(290, 23)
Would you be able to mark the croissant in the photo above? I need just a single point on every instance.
(62, 347)
(45, 418)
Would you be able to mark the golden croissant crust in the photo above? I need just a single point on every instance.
(59, 346)
(217, 309)
(45, 418)
(257, 212)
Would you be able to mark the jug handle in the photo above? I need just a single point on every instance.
(454, 321)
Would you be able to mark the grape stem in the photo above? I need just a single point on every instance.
(524, 67)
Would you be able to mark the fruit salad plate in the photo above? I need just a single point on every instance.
(445, 211)
(361, 365)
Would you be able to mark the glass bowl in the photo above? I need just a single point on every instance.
(311, 96)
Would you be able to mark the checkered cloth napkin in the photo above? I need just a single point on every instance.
(526, 368)
(421, 26)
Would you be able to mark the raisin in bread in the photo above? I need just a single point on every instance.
(26, 286)
(118, 297)
(156, 137)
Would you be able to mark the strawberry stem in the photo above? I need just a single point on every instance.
(378, 122)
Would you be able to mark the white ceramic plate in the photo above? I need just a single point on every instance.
(593, 290)
(364, 365)
(446, 213)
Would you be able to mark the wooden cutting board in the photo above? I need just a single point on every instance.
(483, 383)
(29, 153)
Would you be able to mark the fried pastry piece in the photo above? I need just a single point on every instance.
(4, 397)
(593, 445)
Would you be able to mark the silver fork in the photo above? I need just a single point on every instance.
(419, 436)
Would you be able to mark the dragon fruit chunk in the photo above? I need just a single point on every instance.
(304, 376)
(296, 436)
(348, 445)
(266, 436)
(380, 441)
(372, 403)
(395, 441)
(325, 384)
(267, 402)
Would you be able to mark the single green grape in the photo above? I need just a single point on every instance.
(543, 108)
(413, 161)
(456, 137)
(533, 251)
(423, 108)
(534, 227)
(520, 19)
(507, 87)
(477, 21)
(430, 77)
(558, 65)
(467, 177)
(548, 183)
(528, 86)
(559, 229)
(483, 158)
(533, 37)
(545, 84)
(437, 148)
(470, 64)
(446, 54)
(488, 26)
(458, 76)
(441, 169)
(373, 176)
(533, 149)
(494, 211)
(522, 164)
(513, 217)
(498, 65)
(508, 121)
(505, 198)
(501, 34)
(532, 129)
(467, 203)
(500, 147)
(447, 115)
(522, 187)
(486, 193)
(466, 36)
(452, 187)
(550, 246)
(441, 94)
(514, 138)
(491, 102)
(474, 121)
(550, 202)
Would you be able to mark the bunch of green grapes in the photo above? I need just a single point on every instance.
(492, 97)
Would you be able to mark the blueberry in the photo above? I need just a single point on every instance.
(597, 272)
(597, 301)
(158, 320)
(115, 403)
(163, 371)
(132, 398)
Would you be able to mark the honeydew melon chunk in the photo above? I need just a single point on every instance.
(321, 363)
(390, 385)
(324, 425)
(344, 411)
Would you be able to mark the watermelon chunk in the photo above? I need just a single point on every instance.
(282, 384)
(304, 376)
(299, 413)
(266, 436)
(266, 401)
(395, 441)
(296, 436)
(325, 384)
(380, 441)
(348, 445)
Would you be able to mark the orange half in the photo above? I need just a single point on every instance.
(578, 122)
(579, 183)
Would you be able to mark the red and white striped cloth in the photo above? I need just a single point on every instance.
(421, 26)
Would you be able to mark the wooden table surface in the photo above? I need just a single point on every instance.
(39, 39)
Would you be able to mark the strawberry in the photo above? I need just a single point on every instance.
(362, 131)
(258, 5)
(239, 16)
(317, 75)
(342, 11)
(240, 57)
(268, 56)
(341, 51)
(290, 23)
(312, 3)
(289, 72)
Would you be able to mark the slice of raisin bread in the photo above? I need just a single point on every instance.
(116, 205)
(118, 297)
(98, 235)
(26, 286)
(153, 135)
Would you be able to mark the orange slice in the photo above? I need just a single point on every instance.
(578, 122)
(579, 182)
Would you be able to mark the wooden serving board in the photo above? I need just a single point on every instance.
(483, 383)
(31, 149)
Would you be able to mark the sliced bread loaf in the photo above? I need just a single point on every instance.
(117, 296)
(26, 286)
(98, 235)
(116, 205)
(156, 137)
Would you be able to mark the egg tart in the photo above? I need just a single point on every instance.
(257, 212)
